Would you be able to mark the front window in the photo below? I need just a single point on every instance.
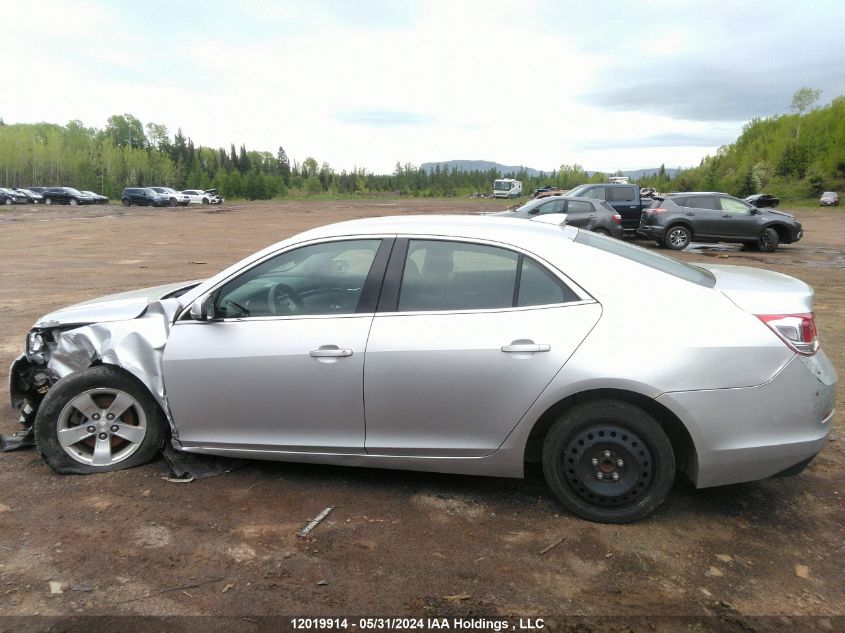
(734, 206)
(325, 278)
(555, 206)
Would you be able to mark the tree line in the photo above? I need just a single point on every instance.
(792, 155)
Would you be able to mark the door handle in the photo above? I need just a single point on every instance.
(526, 347)
(690, 214)
(330, 352)
(726, 215)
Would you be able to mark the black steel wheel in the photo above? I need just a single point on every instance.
(608, 461)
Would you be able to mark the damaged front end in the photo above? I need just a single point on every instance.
(129, 331)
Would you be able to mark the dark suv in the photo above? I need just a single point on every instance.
(676, 219)
(143, 196)
(65, 195)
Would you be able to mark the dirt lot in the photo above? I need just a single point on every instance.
(398, 543)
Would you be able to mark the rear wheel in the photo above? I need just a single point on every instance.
(125, 202)
(768, 241)
(72, 202)
(7, 201)
(677, 237)
(608, 461)
(48, 201)
(98, 420)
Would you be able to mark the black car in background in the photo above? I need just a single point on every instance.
(34, 197)
(761, 200)
(676, 219)
(65, 195)
(98, 198)
(624, 198)
(585, 213)
(143, 196)
(10, 196)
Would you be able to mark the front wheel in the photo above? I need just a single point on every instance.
(769, 240)
(7, 201)
(608, 461)
(125, 202)
(98, 420)
(678, 237)
(48, 201)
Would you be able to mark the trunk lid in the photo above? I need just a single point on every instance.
(762, 291)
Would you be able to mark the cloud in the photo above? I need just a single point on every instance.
(667, 139)
(382, 118)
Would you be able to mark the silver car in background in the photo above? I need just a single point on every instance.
(457, 344)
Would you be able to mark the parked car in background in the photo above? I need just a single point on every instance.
(143, 196)
(829, 199)
(203, 196)
(10, 196)
(763, 200)
(542, 189)
(585, 213)
(40, 190)
(66, 195)
(98, 198)
(647, 192)
(551, 192)
(175, 197)
(527, 356)
(33, 196)
(625, 198)
(677, 219)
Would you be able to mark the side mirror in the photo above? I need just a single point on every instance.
(754, 211)
(534, 211)
(202, 309)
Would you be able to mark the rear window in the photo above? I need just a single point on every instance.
(664, 264)
(622, 194)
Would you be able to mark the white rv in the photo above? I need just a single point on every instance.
(507, 188)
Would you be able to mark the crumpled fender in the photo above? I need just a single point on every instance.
(136, 345)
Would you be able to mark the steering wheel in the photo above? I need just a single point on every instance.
(282, 299)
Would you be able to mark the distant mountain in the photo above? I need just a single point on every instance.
(478, 165)
(634, 174)
(487, 165)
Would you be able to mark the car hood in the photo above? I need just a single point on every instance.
(781, 213)
(116, 307)
(761, 291)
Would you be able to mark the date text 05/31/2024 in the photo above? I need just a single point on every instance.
(417, 624)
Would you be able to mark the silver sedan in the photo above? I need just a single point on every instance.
(451, 344)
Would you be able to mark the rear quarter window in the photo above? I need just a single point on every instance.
(622, 194)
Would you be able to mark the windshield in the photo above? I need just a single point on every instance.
(501, 185)
(574, 193)
(152, 191)
(648, 258)
(72, 190)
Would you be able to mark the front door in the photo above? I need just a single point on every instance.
(280, 366)
(738, 222)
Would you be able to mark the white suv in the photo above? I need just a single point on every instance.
(176, 197)
(199, 196)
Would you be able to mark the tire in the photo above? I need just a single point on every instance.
(769, 240)
(48, 201)
(7, 201)
(172, 202)
(72, 202)
(595, 438)
(205, 201)
(126, 202)
(677, 237)
(134, 437)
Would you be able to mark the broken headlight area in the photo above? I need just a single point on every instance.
(29, 381)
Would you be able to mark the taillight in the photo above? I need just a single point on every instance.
(617, 218)
(798, 331)
(657, 210)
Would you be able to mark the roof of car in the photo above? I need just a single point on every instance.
(501, 229)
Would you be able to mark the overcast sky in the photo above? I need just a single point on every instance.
(608, 85)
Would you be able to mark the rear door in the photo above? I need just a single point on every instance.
(704, 214)
(580, 213)
(626, 200)
(466, 338)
